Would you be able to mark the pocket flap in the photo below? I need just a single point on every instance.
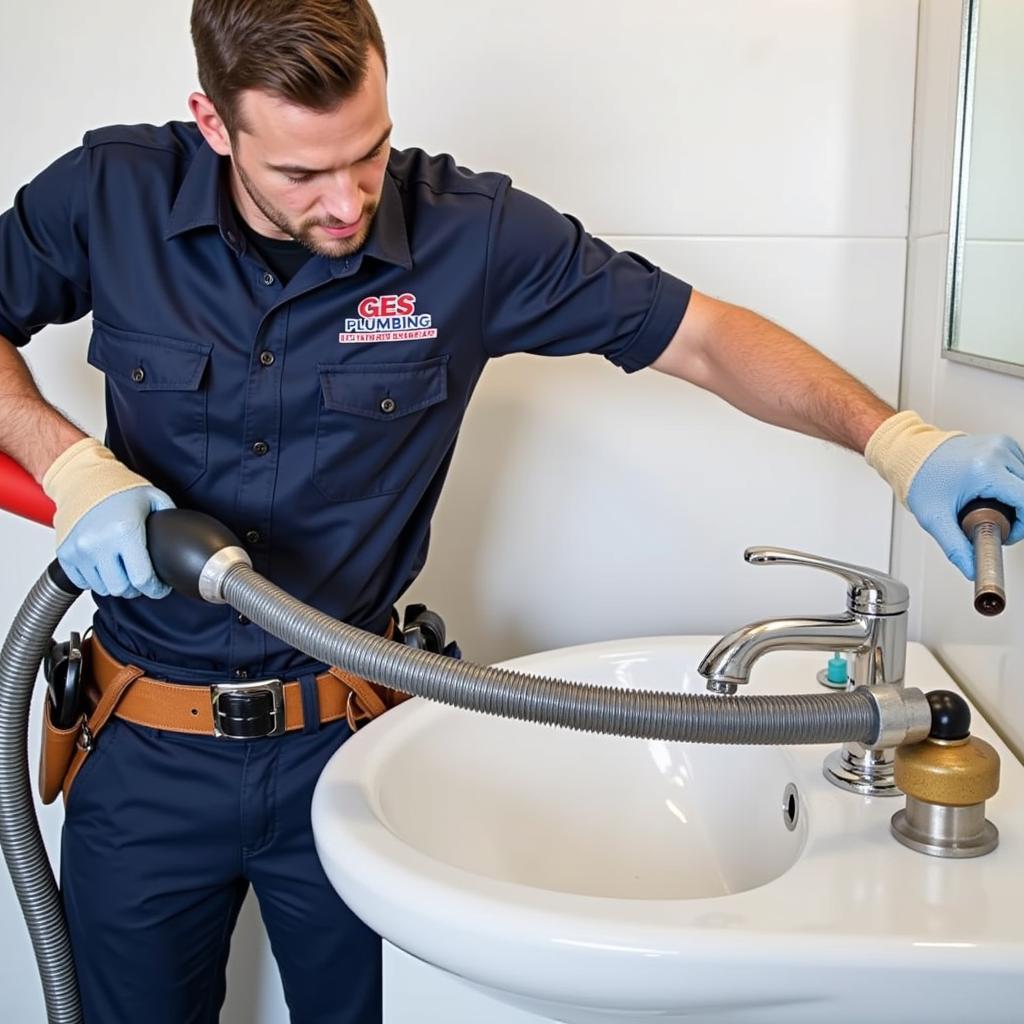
(148, 362)
(384, 391)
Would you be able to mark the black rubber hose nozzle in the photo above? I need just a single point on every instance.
(180, 544)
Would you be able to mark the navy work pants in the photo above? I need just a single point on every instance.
(163, 835)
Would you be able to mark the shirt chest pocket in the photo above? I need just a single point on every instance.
(156, 402)
(374, 424)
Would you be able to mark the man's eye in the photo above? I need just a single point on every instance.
(298, 179)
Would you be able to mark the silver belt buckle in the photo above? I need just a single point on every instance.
(242, 711)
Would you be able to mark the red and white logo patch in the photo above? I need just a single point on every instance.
(388, 318)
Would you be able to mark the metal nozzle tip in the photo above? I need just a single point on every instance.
(989, 603)
(721, 687)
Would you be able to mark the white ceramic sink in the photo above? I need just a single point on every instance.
(584, 814)
(595, 878)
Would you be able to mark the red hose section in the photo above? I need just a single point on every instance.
(20, 494)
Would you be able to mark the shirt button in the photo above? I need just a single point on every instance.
(267, 358)
(241, 673)
(268, 279)
(138, 375)
(388, 405)
(260, 448)
(252, 536)
(242, 620)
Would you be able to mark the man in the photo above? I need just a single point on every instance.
(291, 318)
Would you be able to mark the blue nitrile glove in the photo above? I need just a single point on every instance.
(105, 552)
(959, 470)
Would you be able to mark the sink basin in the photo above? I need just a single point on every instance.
(583, 813)
(591, 878)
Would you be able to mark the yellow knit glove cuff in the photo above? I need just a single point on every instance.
(899, 447)
(80, 478)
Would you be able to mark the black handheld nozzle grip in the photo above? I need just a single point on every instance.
(181, 542)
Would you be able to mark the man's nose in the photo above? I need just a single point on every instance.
(344, 201)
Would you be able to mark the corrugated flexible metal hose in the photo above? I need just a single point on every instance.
(810, 718)
(22, 842)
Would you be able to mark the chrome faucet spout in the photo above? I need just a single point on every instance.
(729, 662)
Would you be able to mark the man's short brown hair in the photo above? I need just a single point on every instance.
(310, 52)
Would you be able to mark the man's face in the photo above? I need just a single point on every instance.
(315, 177)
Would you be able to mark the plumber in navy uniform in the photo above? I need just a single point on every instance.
(291, 318)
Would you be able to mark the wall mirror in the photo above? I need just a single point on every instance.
(984, 323)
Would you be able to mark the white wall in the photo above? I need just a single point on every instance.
(985, 655)
(759, 148)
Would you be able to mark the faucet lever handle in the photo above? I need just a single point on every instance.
(870, 592)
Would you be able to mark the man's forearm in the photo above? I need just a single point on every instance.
(32, 431)
(767, 372)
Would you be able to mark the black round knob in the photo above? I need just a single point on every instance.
(181, 542)
(951, 716)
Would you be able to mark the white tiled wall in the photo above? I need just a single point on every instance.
(760, 148)
(671, 117)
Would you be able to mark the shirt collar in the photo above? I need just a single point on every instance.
(388, 239)
(201, 200)
(204, 200)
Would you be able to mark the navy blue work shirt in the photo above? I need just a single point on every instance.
(316, 420)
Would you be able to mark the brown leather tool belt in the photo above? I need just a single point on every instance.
(230, 709)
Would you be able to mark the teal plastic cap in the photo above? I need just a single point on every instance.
(837, 673)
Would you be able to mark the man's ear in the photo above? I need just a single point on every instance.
(210, 123)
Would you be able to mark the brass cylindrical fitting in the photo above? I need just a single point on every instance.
(955, 773)
(947, 782)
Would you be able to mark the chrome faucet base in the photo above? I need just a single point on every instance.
(869, 774)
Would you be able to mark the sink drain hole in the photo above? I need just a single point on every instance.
(791, 806)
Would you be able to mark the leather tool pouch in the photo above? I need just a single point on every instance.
(64, 750)
(62, 713)
(58, 749)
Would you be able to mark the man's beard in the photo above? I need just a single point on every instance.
(303, 232)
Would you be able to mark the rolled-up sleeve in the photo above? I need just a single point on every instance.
(553, 289)
(44, 251)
